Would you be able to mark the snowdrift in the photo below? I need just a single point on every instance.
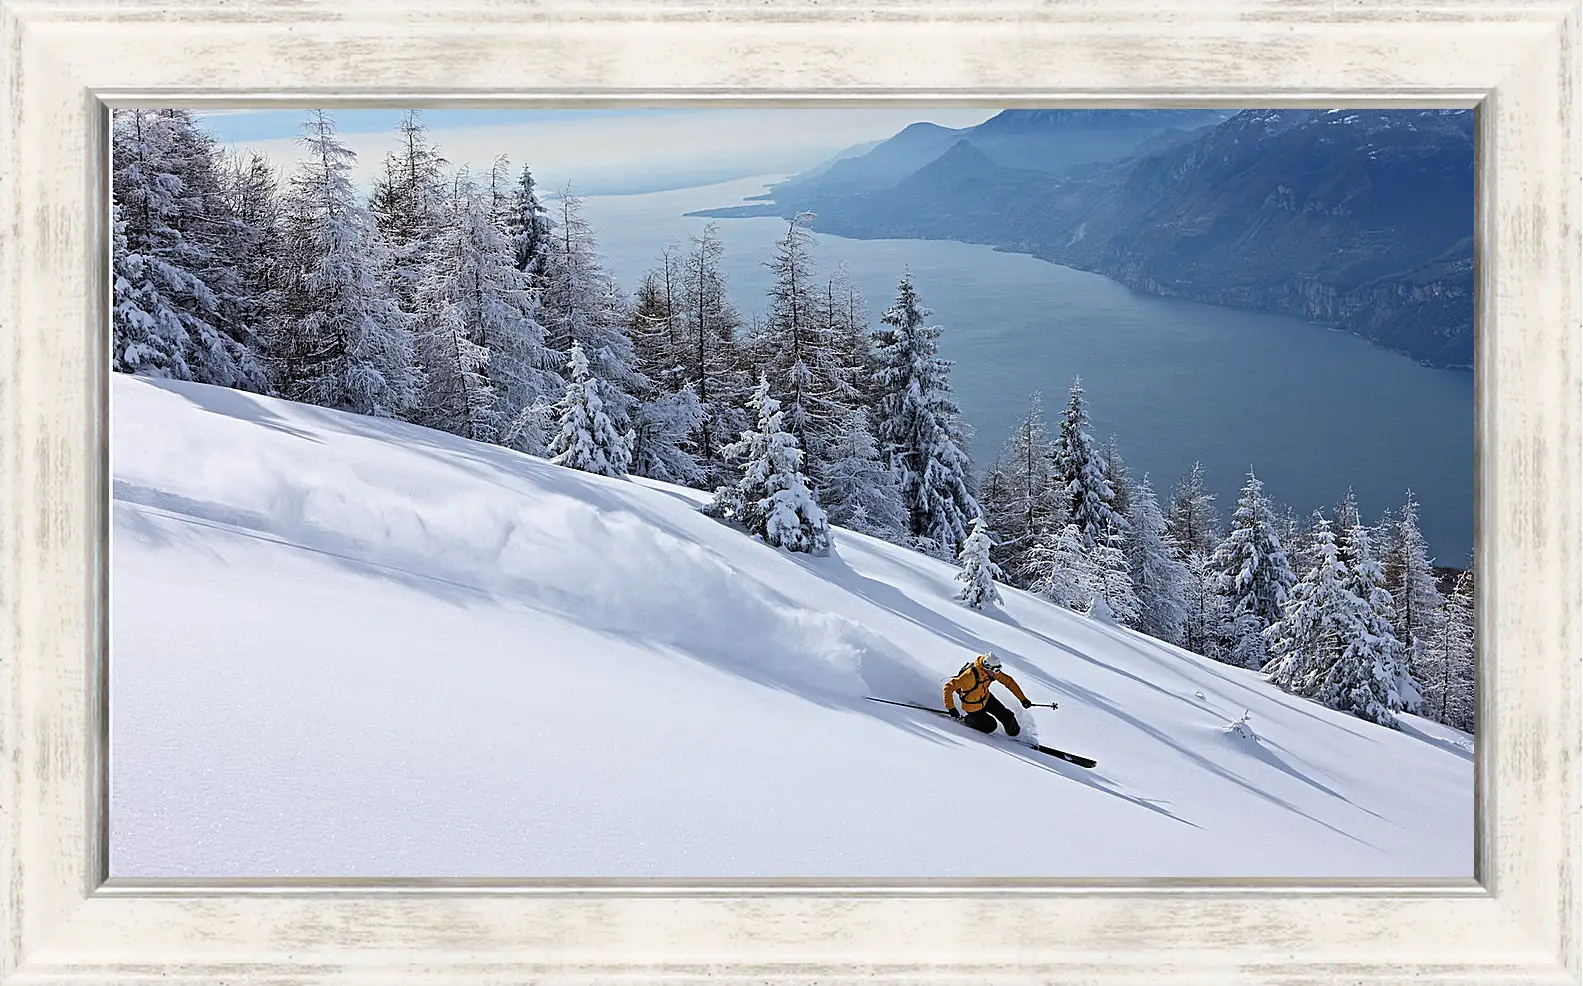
(350, 647)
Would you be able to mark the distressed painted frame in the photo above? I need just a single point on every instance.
(64, 63)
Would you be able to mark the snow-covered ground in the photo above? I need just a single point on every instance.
(349, 647)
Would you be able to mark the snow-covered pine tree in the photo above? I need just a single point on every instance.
(1334, 642)
(1032, 502)
(1081, 473)
(1410, 579)
(773, 500)
(1115, 577)
(225, 238)
(979, 573)
(861, 491)
(919, 427)
(708, 353)
(1191, 521)
(179, 317)
(344, 342)
(1316, 619)
(408, 206)
(1294, 538)
(1067, 575)
(1256, 575)
(1158, 579)
(589, 439)
(527, 226)
(1381, 678)
(140, 341)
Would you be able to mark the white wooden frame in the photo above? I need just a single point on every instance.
(63, 63)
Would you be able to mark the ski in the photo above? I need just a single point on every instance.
(1071, 758)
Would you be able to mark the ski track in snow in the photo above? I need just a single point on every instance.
(351, 647)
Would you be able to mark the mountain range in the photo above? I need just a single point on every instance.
(1358, 219)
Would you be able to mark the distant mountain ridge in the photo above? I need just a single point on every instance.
(1361, 219)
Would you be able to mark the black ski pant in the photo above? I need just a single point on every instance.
(984, 719)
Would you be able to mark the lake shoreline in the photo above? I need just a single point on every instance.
(773, 210)
(1174, 380)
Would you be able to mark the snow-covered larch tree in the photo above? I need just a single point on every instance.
(588, 438)
(344, 341)
(486, 363)
(997, 501)
(1191, 521)
(1158, 578)
(1029, 502)
(707, 325)
(861, 491)
(581, 303)
(1067, 575)
(803, 367)
(846, 314)
(1120, 479)
(1256, 575)
(653, 324)
(408, 206)
(919, 426)
(1449, 659)
(1410, 579)
(979, 573)
(772, 500)
(256, 249)
(1204, 627)
(664, 432)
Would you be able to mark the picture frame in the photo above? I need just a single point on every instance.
(65, 65)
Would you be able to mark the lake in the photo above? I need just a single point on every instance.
(1311, 410)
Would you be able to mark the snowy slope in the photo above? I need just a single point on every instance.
(343, 646)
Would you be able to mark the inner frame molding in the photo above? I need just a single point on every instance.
(65, 64)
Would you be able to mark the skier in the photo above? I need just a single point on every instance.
(983, 709)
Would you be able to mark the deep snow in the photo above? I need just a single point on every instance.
(350, 647)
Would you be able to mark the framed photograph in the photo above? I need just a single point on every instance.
(793, 493)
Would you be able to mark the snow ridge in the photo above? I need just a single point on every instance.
(352, 646)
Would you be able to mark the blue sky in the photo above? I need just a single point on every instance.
(605, 150)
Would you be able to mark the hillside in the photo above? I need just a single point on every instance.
(1358, 219)
(351, 647)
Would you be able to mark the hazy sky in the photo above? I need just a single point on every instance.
(603, 151)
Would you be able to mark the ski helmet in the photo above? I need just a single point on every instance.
(991, 661)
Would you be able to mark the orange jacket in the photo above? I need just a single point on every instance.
(972, 683)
